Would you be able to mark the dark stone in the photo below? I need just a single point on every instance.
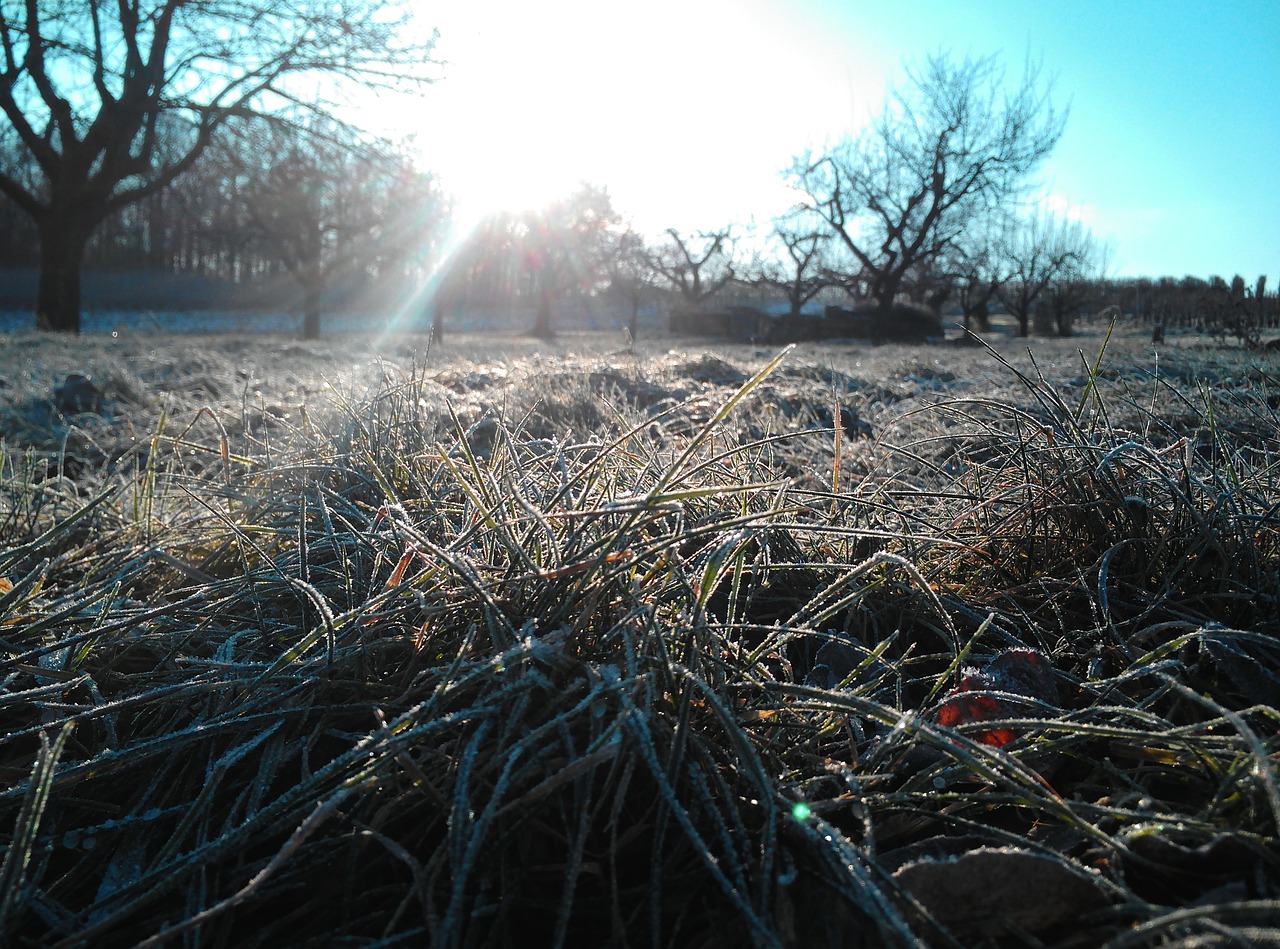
(78, 395)
(711, 369)
(853, 426)
(832, 665)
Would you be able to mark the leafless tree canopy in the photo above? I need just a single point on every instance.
(954, 144)
(1042, 256)
(558, 253)
(109, 102)
(628, 265)
(795, 263)
(330, 206)
(698, 265)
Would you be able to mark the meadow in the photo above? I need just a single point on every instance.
(516, 642)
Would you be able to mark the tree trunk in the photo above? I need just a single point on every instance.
(886, 293)
(886, 290)
(1063, 318)
(437, 322)
(982, 316)
(542, 322)
(62, 244)
(311, 310)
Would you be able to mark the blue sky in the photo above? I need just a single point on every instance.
(1172, 148)
(688, 109)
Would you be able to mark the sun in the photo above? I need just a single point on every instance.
(666, 105)
(484, 185)
(516, 122)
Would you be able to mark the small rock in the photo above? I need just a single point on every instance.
(712, 369)
(78, 395)
(854, 426)
(993, 889)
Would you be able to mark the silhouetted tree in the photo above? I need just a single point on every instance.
(1078, 279)
(565, 250)
(537, 258)
(697, 266)
(794, 264)
(951, 146)
(85, 85)
(975, 267)
(629, 267)
(334, 208)
(1034, 253)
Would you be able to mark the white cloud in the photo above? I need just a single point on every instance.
(1069, 210)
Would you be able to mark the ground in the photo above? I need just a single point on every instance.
(514, 641)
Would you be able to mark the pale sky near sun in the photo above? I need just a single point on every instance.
(687, 110)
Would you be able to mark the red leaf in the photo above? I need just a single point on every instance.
(1019, 671)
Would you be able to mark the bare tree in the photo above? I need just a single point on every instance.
(564, 249)
(952, 145)
(85, 85)
(975, 265)
(697, 266)
(931, 281)
(1035, 253)
(977, 285)
(538, 258)
(796, 264)
(482, 271)
(335, 209)
(1079, 276)
(629, 267)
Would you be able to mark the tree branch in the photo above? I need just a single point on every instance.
(59, 108)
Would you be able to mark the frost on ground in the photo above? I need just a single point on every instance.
(679, 644)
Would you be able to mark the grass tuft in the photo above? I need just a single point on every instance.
(547, 650)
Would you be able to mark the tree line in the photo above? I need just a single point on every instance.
(186, 139)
